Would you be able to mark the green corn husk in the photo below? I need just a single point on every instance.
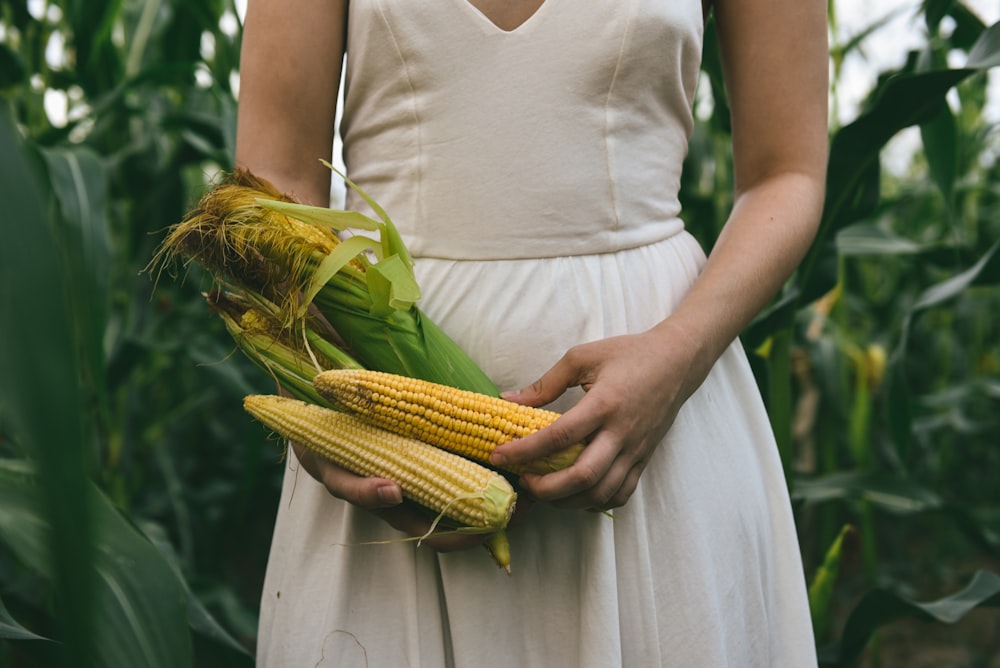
(292, 359)
(261, 245)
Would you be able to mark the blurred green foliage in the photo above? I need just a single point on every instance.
(124, 450)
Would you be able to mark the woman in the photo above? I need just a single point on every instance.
(530, 153)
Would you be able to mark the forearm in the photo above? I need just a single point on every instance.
(769, 231)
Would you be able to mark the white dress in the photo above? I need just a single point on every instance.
(534, 174)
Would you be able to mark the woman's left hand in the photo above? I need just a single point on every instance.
(635, 385)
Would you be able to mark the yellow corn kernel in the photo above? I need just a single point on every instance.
(462, 490)
(466, 423)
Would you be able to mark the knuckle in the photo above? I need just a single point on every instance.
(586, 476)
(628, 487)
(572, 356)
(600, 498)
(560, 437)
(601, 404)
(618, 500)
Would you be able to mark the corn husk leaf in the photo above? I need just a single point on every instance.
(393, 286)
(331, 265)
(335, 219)
(392, 240)
(291, 357)
(242, 233)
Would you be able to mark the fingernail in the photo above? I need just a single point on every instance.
(510, 395)
(497, 459)
(389, 495)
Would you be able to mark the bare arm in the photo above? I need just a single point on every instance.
(775, 61)
(289, 80)
(290, 68)
(774, 55)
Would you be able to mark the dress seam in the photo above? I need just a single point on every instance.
(676, 234)
(612, 186)
(418, 186)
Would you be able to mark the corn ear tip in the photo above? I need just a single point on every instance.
(500, 494)
(498, 547)
(252, 403)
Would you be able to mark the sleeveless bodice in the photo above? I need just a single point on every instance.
(490, 144)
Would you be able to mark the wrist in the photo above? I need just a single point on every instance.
(699, 348)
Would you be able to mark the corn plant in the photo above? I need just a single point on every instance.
(879, 361)
(117, 483)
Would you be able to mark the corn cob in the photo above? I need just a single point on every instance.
(480, 500)
(466, 423)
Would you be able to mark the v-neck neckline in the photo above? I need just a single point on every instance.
(490, 24)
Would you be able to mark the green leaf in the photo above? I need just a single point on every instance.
(38, 371)
(99, 64)
(865, 239)
(853, 171)
(11, 630)
(777, 316)
(201, 619)
(852, 190)
(968, 27)
(940, 138)
(779, 398)
(987, 266)
(78, 182)
(934, 11)
(985, 53)
(880, 606)
(140, 611)
(12, 70)
(892, 493)
(899, 406)
(821, 588)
